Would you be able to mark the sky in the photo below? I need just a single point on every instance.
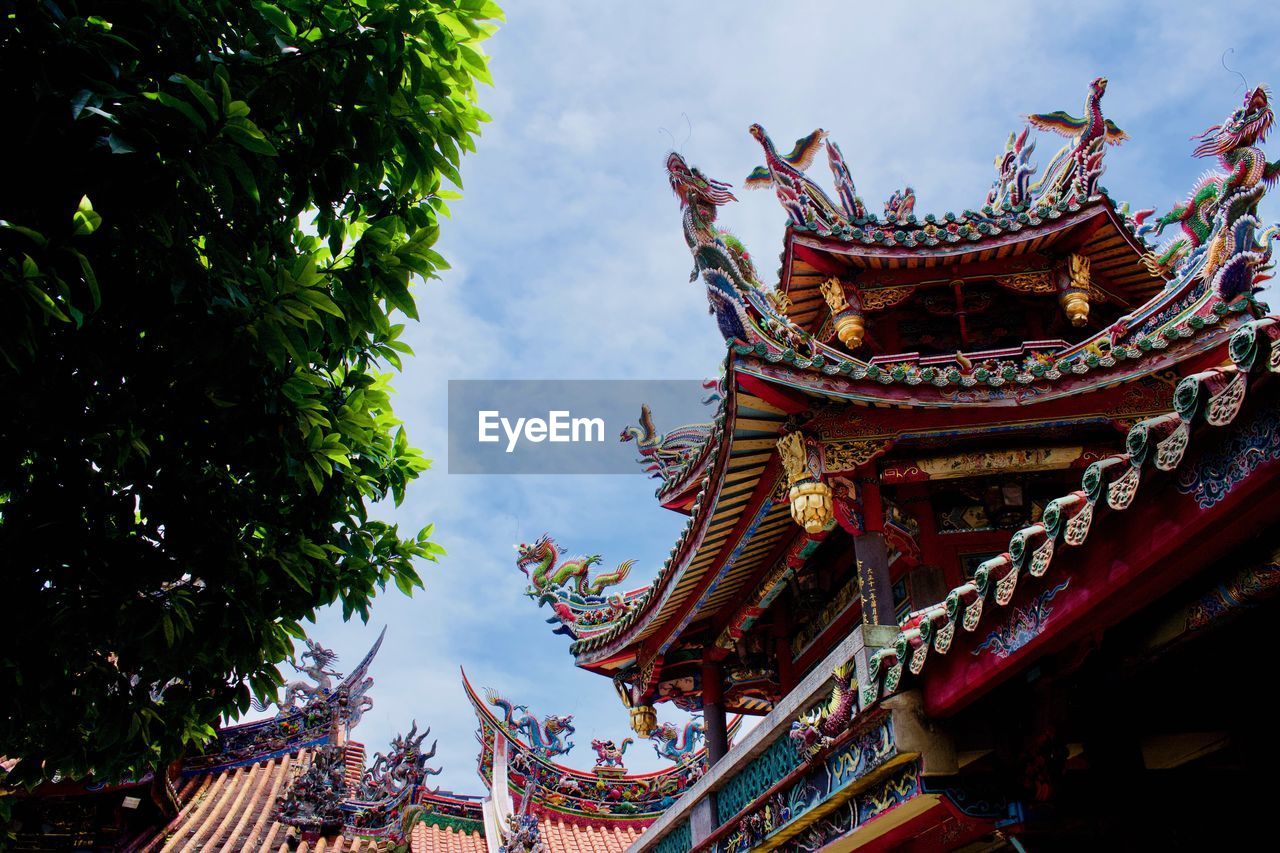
(568, 259)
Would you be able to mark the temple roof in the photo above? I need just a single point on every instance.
(235, 809)
(1062, 240)
(1206, 399)
(1022, 241)
(607, 795)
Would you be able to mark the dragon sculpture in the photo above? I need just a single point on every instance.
(314, 801)
(1221, 201)
(1014, 171)
(548, 737)
(401, 769)
(672, 744)
(1079, 163)
(319, 672)
(814, 731)
(541, 563)
(577, 602)
(718, 256)
(665, 455)
(608, 753)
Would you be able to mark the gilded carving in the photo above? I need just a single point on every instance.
(833, 292)
(848, 455)
(792, 452)
(1040, 281)
(884, 297)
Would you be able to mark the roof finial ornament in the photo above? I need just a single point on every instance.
(1079, 164)
(805, 202)
(1013, 173)
(1204, 217)
(318, 671)
(718, 256)
(666, 455)
(845, 191)
(901, 204)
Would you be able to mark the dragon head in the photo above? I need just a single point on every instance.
(528, 555)
(319, 655)
(666, 731)
(556, 724)
(1245, 127)
(690, 185)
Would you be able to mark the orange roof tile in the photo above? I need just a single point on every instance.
(565, 837)
(438, 839)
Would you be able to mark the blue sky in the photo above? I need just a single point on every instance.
(568, 261)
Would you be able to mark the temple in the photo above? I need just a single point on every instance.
(982, 531)
(982, 526)
(297, 781)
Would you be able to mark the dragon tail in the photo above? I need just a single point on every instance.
(617, 576)
(626, 741)
(495, 699)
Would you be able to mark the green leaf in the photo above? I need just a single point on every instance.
(320, 300)
(181, 106)
(277, 17)
(248, 136)
(46, 304)
(244, 176)
(295, 576)
(198, 92)
(30, 233)
(90, 279)
(85, 220)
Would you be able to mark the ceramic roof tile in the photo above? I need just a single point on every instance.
(438, 839)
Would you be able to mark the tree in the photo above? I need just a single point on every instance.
(210, 213)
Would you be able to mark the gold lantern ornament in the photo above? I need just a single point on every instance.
(849, 324)
(1075, 301)
(811, 506)
(644, 720)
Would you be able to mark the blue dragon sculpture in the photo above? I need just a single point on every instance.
(548, 737)
(672, 744)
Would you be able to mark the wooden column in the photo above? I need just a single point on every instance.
(781, 632)
(928, 583)
(713, 713)
(872, 555)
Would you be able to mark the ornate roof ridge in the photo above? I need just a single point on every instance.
(482, 710)
(1214, 271)
(1214, 396)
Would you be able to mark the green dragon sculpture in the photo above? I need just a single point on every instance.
(1233, 192)
(541, 563)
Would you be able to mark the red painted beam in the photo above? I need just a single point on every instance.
(1129, 560)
